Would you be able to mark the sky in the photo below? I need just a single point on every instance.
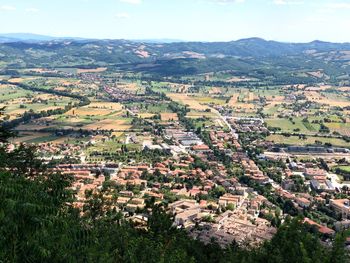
(188, 20)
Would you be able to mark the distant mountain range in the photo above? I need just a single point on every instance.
(171, 57)
(169, 49)
(34, 38)
(31, 38)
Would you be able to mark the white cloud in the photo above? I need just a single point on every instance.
(225, 2)
(32, 10)
(122, 16)
(7, 8)
(133, 2)
(338, 5)
(287, 2)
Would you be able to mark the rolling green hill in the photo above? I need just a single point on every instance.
(275, 59)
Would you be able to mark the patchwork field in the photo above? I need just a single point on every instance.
(328, 99)
(17, 101)
(193, 102)
(243, 101)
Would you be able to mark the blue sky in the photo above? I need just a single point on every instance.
(199, 20)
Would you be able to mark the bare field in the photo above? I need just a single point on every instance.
(168, 116)
(344, 89)
(85, 111)
(320, 98)
(318, 88)
(19, 80)
(4, 86)
(196, 114)
(93, 70)
(187, 100)
(116, 125)
(234, 99)
(145, 115)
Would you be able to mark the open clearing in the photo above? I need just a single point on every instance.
(115, 125)
(168, 117)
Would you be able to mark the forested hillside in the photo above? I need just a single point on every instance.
(187, 58)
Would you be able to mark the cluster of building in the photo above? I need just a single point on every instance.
(252, 171)
(241, 124)
(200, 191)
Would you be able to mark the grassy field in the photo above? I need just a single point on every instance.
(30, 136)
(151, 108)
(296, 125)
(342, 128)
(9, 92)
(199, 114)
(310, 140)
(344, 168)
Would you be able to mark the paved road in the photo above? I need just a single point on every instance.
(224, 119)
(336, 182)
